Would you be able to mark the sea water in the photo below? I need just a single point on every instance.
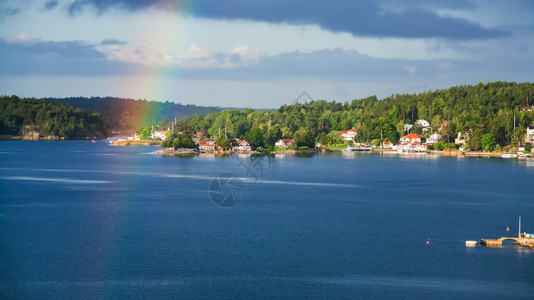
(84, 220)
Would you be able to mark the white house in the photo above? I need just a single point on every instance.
(411, 147)
(240, 145)
(410, 138)
(423, 124)
(159, 134)
(411, 143)
(134, 137)
(387, 145)
(434, 138)
(284, 143)
(529, 136)
(408, 127)
(461, 139)
(348, 135)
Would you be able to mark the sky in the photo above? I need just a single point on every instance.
(261, 53)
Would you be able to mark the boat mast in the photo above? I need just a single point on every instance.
(519, 226)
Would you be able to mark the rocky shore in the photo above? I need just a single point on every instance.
(136, 143)
(179, 152)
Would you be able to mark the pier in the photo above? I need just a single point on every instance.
(526, 242)
(523, 239)
(498, 242)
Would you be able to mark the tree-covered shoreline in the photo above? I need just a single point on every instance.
(482, 109)
(36, 119)
(493, 114)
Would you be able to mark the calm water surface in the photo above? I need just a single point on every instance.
(83, 220)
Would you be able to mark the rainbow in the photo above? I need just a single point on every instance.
(154, 81)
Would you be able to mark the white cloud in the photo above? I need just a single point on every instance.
(23, 37)
(194, 57)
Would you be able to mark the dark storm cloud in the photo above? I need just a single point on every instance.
(406, 19)
(35, 57)
(55, 58)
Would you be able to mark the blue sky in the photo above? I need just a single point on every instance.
(259, 54)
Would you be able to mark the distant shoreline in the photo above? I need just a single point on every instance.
(6, 137)
(191, 152)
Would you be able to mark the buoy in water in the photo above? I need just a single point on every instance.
(507, 228)
(427, 242)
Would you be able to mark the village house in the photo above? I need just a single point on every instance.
(284, 143)
(411, 147)
(425, 126)
(240, 145)
(200, 134)
(443, 125)
(407, 127)
(410, 138)
(134, 137)
(411, 143)
(159, 134)
(387, 145)
(434, 138)
(348, 135)
(207, 146)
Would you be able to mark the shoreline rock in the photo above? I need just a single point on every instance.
(136, 143)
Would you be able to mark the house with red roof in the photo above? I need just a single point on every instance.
(410, 138)
(159, 134)
(207, 146)
(443, 125)
(200, 134)
(134, 137)
(387, 145)
(348, 135)
(284, 143)
(411, 143)
(240, 145)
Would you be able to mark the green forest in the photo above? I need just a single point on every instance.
(483, 109)
(487, 112)
(19, 117)
(122, 114)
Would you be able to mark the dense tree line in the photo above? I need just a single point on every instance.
(482, 109)
(129, 114)
(19, 116)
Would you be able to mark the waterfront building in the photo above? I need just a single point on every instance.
(284, 143)
(240, 145)
(207, 145)
(348, 135)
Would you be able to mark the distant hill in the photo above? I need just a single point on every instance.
(36, 118)
(129, 114)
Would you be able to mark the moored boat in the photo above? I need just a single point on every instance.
(470, 243)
